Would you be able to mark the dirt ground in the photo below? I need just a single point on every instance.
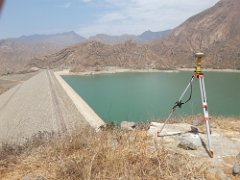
(11, 80)
(225, 140)
(36, 105)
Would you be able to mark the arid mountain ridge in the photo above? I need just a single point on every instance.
(17, 53)
(214, 31)
(145, 37)
(94, 55)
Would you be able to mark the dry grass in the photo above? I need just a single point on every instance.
(109, 154)
(226, 123)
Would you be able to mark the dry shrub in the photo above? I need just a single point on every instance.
(7, 149)
(109, 154)
(121, 155)
(9, 153)
(226, 123)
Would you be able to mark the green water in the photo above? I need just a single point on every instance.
(148, 96)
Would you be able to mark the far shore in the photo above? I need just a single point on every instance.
(119, 70)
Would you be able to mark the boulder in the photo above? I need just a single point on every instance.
(236, 169)
(194, 130)
(238, 157)
(125, 125)
(185, 144)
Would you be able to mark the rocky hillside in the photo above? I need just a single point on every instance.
(17, 52)
(94, 55)
(214, 31)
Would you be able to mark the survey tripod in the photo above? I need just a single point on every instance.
(198, 75)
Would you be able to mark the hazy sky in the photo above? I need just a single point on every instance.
(90, 17)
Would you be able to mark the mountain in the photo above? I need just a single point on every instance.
(108, 39)
(15, 53)
(215, 31)
(146, 36)
(61, 40)
(93, 55)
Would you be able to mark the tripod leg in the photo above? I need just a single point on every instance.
(205, 112)
(174, 108)
(185, 90)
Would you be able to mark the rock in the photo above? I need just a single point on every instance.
(185, 144)
(238, 157)
(125, 125)
(32, 69)
(194, 130)
(236, 169)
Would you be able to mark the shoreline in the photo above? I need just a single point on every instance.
(119, 70)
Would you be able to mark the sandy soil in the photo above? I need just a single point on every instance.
(9, 81)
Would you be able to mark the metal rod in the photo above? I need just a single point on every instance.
(205, 113)
(169, 117)
(184, 92)
(180, 99)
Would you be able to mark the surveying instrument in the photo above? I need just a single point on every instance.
(198, 75)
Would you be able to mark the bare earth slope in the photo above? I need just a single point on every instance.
(15, 53)
(214, 31)
(95, 56)
(39, 104)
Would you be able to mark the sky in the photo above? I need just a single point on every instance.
(91, 17)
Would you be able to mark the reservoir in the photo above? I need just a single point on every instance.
(143, 96)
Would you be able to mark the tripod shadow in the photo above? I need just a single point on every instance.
(204, 146)
(174, 134)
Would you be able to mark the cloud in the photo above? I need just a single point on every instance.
(136, 16)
